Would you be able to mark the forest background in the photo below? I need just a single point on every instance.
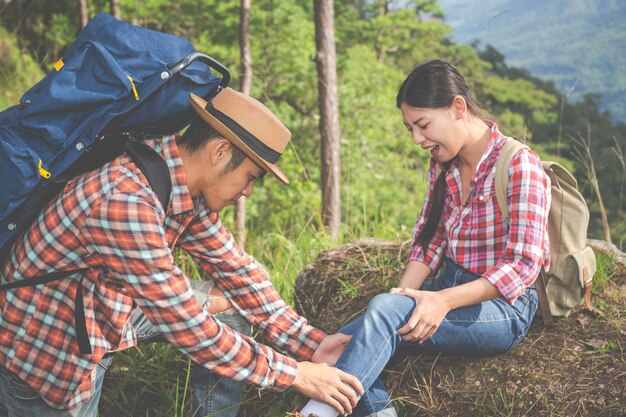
(382, 172)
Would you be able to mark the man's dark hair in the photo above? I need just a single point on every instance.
(200, 133)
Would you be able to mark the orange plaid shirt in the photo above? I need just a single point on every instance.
(110, 221)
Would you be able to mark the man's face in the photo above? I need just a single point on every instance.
(223, 190)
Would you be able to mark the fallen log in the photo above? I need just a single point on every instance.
(609, 249)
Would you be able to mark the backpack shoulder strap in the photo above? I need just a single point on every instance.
(508, 151)
(154, 168)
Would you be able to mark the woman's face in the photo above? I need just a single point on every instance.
(435, 130)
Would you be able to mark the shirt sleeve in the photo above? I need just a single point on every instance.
(248, 287)
(126, 231)
(437, 246)
(528, 201)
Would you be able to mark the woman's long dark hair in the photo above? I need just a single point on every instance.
(434, 85)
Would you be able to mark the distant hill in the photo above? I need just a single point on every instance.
(580, 44)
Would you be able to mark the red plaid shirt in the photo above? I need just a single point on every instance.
(110, 220)
(476, 236)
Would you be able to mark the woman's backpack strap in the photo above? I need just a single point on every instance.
(508, 151)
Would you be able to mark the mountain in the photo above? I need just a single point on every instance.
(579, 44)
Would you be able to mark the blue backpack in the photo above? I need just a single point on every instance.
(115, 78)
(116, 85)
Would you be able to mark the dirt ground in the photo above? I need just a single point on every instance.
(577, 367)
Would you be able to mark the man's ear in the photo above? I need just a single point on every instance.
(217, 152)
(459, 107)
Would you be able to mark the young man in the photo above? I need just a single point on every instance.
(111, 224)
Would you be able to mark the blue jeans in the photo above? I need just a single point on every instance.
(490, 327)
(212, 394)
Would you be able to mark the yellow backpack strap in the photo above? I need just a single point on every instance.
(508, 151)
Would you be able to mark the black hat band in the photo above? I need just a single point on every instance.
(259, 148)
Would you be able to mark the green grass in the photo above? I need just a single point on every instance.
(153, 380)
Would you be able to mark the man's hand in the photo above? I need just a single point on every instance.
(430, 310)
(330, 349)
(330, 385)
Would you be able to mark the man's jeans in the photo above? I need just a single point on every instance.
(490, 327)
(212, 394)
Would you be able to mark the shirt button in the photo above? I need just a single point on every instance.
(481, 198)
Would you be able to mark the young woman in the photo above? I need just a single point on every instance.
(483, 300)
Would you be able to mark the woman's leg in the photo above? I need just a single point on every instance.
(374, 341)
(493, 326)
(490, 327)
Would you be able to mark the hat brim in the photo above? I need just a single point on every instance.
(199, 105)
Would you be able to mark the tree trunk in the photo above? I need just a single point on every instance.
(115, 9)
(244, 48)
(329, 113)
(244, 85)
(378, 41)
(84, 14)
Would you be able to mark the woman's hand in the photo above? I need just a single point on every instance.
(430, 310)
(330, 349)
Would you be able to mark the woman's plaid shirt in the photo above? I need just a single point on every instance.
(110, 220)
(476, 236)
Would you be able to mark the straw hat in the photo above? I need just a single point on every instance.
(248, 124)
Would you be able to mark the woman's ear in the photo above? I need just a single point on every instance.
(459, 107)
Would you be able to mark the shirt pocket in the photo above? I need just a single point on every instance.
(482, 207)
(483, 198)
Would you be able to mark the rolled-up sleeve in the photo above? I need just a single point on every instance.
(246, 283)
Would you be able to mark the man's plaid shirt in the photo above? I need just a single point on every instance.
(475, 236)
(110, 220)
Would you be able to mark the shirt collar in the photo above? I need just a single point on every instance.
(496, 141)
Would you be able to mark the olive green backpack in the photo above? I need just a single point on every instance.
(572, 261)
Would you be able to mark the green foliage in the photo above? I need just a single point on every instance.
(383, 172)
(18, 71)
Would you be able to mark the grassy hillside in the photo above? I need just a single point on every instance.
(580, 44)
(582, 362)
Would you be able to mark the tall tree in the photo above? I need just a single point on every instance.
(115, 9)
(329, 113)
(84, 14)
(382, 9)
(245, 82)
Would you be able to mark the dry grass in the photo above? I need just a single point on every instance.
(575, 368)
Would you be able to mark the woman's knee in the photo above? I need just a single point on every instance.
(390, 305)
